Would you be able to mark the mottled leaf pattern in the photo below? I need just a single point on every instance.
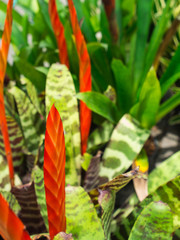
(9, 231)
(106, 200)
(38, 177)
(82, 219)
(3, 62)
(30, 212)
(154, 222)
(100, 136)
(33, 95)
(164, 172)
(54, 172)
(59, 32)
(60, 90)
(27, 114)
(126, 142)
(84, 75)
(169, 193)
(63, 236)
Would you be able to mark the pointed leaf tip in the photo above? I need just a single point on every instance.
(54, 173)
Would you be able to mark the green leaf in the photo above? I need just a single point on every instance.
(146, 109)
(81, 217)
(106, 200)
(123, 85)
(172, 73)
(38, 177)
(154, 222)
(105, 194)
(168, 106)
(100, 104)
(125, 144)
(100, 136)
(102, 75)
(143, 24)
(32, 92)
(164, 172)
(156, 38)
(168, 193)
(36, 77)
(84, 15)
(61, 91)
(27, 114)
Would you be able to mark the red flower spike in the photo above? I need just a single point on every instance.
(59, 32)
(54, 173)
(11, 227)
(3, 62)
(84, 76)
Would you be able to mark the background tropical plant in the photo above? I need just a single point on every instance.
(122, 55)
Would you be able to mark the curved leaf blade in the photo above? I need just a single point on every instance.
(126, 142)
(100, 104)
(9, 231)
(54, 172)
(167, 170)
(78, 207)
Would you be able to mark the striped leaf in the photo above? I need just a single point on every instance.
(30, 213)
(106, 200)
(104, 196)
(154, 222)
(59, 33)
(164, 172)
(92, 175)
(54, 173)
(84, 75)
(38, 177)
(11, 228)
(60, 89)
(33, 95)
(27, 114)
(3, 62)
(126, 142)
(82, 219)
(16, 143)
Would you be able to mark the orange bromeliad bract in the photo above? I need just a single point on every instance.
(59, 33)
(11, 227)
(3, 62)
(84, 75)
(54, 173)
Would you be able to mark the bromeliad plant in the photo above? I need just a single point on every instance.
(86, 212)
